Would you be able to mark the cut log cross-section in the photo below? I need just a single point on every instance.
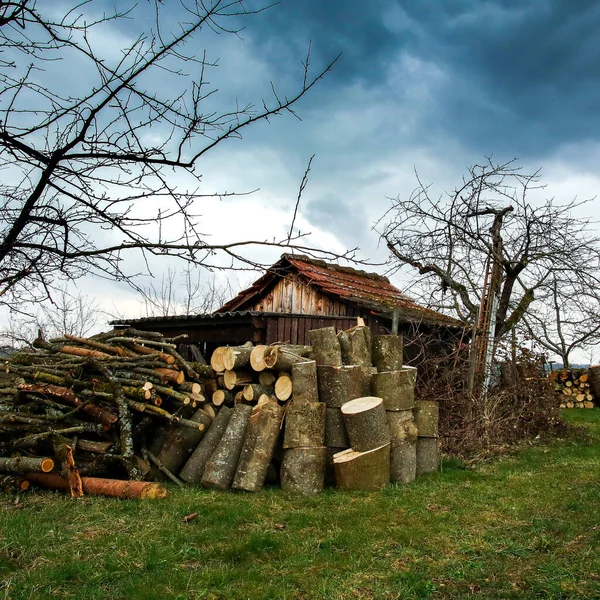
(253, 391)
(283, 357)
(237, 357)
(283, 387)
(366, 423)
(303, 470)
(368, 470)
(326, 347)
(233, 379)
(259, 446)
(305, 425)
(387, 352)
(217, 359)
(220, 468)
(257, 358)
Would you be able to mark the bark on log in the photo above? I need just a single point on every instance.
(326, 347)
(267, 378)
(194, 468)
(257, 358)
(114, 488)
(13, 484)
(221, 467)
(283, 357)
(303, 470)
(403, 455)
(181, 442)
(396, 388)
(387, 352)
(283, 387)
(366, 381)
(428, 455)
(254, 390)
(24, 464)
(335, 430)
(368, 470)
(304, 425)
(232, 379)
(594, 380)
(338, 385)
(356, 346)
(217, 358)
(258, 448)
(171, 375)
(304, 382)
(366, 423)
(221, 397)
(427, 415)
(237, 357)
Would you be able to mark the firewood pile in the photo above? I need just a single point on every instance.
(574, 388)
(121, 412)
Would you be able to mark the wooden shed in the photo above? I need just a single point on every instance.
(298, 294)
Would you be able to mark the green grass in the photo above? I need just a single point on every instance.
(522, 526)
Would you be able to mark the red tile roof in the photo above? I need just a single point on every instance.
(368, 290)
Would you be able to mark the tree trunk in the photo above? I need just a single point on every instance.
(367, 381)
(427, 415)
(237, 357)
(338, 385)
(368, 470)
(194, 468)
(259, 445)
(387, 352)
(304, 382)
(403, 454)
(220, 468)
(335, 430)
(428, 455)
(303, 470)
(326, 347)
(366, 423)
(181, 442)
(304, 425)
(396, 388)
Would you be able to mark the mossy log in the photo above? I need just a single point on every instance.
(303, 470)
(366, 381)
(114, 488)
(368, 470)
(220, 468)
(326, 347)
(237, 357)
(396, 388)
(304, 425)
(259, 446)
(194, 468)
(355, 344)
(428, 455)
(387, 352)
(338, 385)
(304, 382)
(403, 454)
(180, 442)
(335, 429)
(24, 464)
(427, 416)
(366, 423)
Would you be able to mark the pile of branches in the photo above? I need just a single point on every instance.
(101, 398)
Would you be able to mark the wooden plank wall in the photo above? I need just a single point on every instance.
(294, 330)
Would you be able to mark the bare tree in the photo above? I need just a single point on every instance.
(96, 158)
(487, 254)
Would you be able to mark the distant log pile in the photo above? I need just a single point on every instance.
(122, 412)
(577, 388)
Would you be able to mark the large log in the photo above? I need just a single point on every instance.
(220, 468)
(428, 455)
(257, 358)
(427, 415)
(338, 385)
(366, 381)
(259, 446)
(304, 425)
(221, 397)
(387, 352)
(114, 488)
(403, 455)
(181, 442)
(253, 391)
(335, 429)
(237, 357)
(217, 359)
(594, 380)
(326, 347)
(356, 346)
(303, 470)
(368, 470)
(194, 468)
(366, 423)
(24, 464)
(304, 382)
(283, 356)
(396, 388)
(231, 379)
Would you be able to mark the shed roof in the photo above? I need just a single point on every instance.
(371, 291)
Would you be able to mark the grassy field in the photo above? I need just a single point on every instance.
(523, 526)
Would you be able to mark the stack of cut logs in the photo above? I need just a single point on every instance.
(574, 388)
(120, 412)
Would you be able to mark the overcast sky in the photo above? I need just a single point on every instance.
(432, 86)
